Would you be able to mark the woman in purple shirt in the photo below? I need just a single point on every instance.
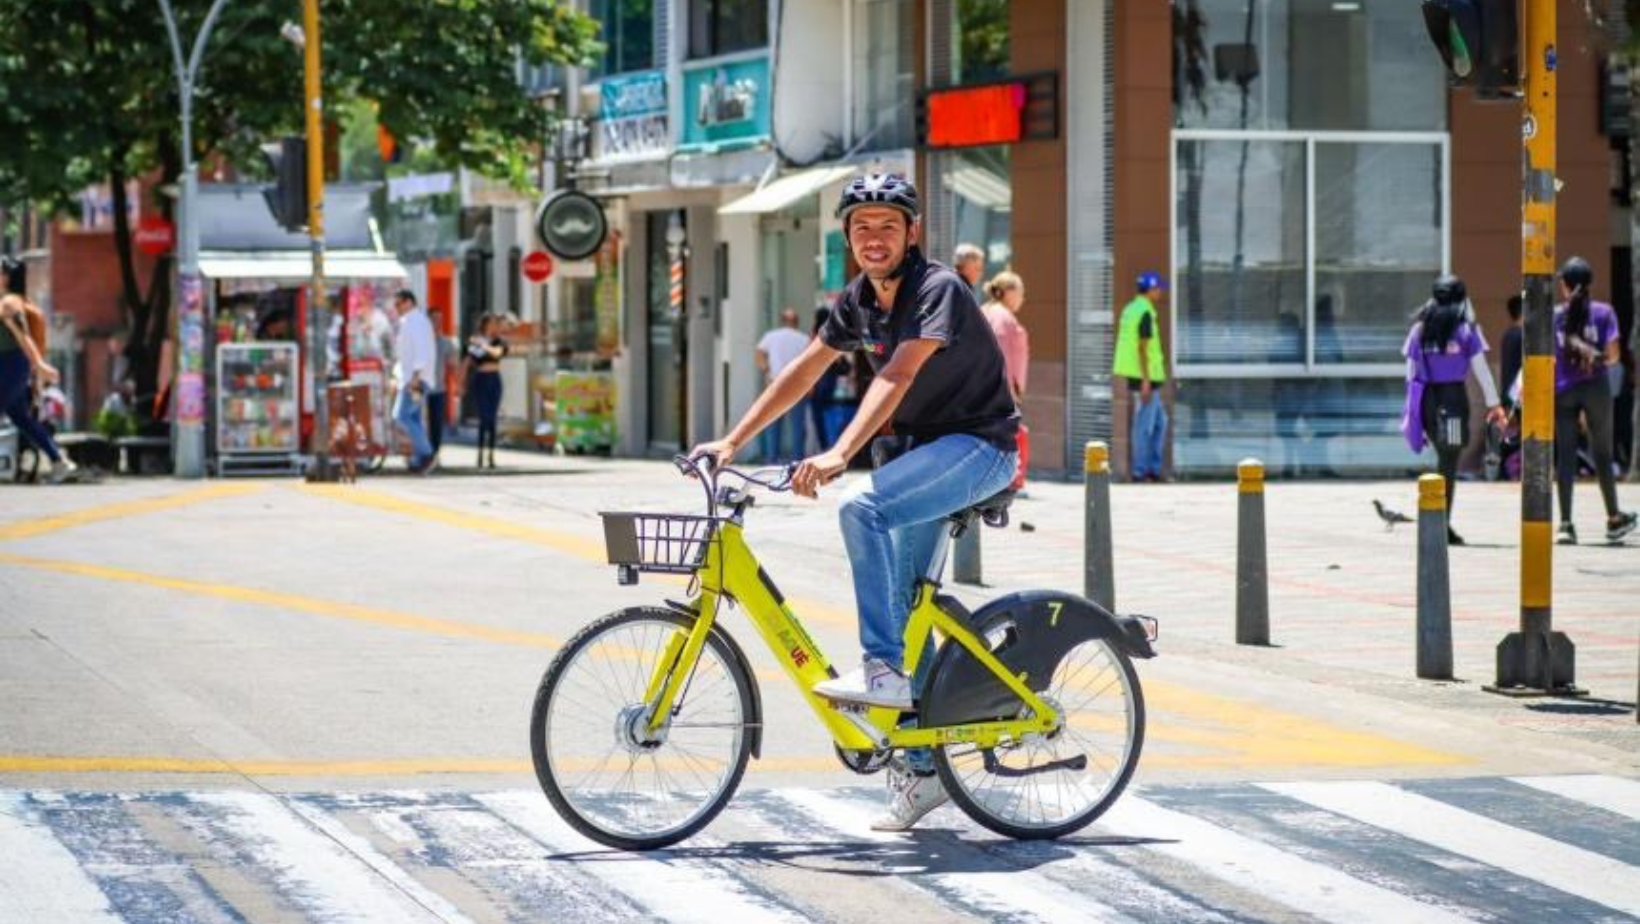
(1585, 344)
(1443, 348)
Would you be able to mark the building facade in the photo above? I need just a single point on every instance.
(1297, 169)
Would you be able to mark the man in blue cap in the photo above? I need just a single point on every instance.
(1139, 359)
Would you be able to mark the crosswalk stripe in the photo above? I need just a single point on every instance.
(310, 870)
(674, 889)
(500, 871)
(1568, 821)
(40, 880)
(1570, 869)
(1612, 793)
(333, 828)
(1289, 879)
(1004, 895)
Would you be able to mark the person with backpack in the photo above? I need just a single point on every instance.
(1586, 337)
(1443, 348)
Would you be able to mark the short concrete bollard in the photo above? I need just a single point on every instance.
(1434, 583)
(965, 557)
(1099, 574)
(1252, 575)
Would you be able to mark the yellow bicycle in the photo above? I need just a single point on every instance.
(645, 721)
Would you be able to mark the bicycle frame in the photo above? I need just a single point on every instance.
(730, 569)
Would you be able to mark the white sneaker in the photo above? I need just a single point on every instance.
(61, 471)
(910, 797)
(873, 683)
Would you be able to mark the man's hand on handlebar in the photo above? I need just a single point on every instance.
(817, 470)
(720, 452)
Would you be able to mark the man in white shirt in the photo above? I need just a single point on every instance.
(415, 372)
(776, 351)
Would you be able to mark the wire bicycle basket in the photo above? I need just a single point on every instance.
(664, 543)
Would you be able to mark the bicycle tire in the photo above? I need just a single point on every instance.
(974, 789)
(618, 816)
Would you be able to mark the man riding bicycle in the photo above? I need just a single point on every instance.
(941, 384)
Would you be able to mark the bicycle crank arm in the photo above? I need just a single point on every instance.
(996, 767)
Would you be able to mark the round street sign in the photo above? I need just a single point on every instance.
(155, 235)
(572, 225)
(537, 266)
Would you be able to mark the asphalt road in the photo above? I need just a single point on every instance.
(261, 700)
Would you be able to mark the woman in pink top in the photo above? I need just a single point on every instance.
(1005, 294)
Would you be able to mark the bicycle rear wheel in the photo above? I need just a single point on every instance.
(606, 775)
(1053, 784)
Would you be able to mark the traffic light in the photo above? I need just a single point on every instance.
(288, 196)
(1479, 41)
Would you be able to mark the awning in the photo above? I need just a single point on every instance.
(298, 265)
(785, 191)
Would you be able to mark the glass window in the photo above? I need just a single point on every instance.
(1305, 64)
(1297, 426)
(1378, 245)
(982, 41)
(976, 185)
(1240, 250)
(719, 27)
(883, 79)
(628, 34)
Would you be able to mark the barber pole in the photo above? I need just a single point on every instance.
(675, 293)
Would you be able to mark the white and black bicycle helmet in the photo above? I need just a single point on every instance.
(888, 189)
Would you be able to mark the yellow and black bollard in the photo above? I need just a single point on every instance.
(1252, 575)
(1098, 571)
(1434, 582)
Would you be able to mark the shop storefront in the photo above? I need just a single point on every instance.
(260, 389)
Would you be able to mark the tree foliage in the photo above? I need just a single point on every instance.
(88, 94)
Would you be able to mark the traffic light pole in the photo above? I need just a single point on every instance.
(318, 321)
(1536, 660)
(188, 390)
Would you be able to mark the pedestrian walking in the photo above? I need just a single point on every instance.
(823, 400)
(1585, 345)
(1005, 295)
(969, 262)
(21, 362)
(1139, 360)
(444, 363)
(415, 371)
(484, 352)
(783, 441)
(1443, 348)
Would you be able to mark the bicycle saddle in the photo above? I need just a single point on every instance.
(993, 510)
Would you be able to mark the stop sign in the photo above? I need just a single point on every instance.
(155, 235)
(537, 266)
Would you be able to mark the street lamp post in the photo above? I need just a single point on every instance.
(188, 417)
(318, 297)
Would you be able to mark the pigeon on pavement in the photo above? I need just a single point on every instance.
(1390, 517)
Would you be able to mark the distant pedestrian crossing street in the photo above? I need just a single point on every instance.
(1485, 849)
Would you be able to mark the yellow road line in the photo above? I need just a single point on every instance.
(28, 529)
(1248, 734)
(567, 543)
(292, 602)
(591, 550)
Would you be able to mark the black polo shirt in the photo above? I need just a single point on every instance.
(963, 387)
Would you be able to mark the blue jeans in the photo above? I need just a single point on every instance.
(407, 411)
(15, 373)
(1149, 434)
(783, 440)
(891, 522)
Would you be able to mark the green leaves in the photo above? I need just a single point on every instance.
(88, 87)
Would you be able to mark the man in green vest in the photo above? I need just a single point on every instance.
(1139, 360)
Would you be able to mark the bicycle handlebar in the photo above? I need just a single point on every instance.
(705, 469)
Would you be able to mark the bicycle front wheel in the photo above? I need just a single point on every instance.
(1052, 784)
(607, 775)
